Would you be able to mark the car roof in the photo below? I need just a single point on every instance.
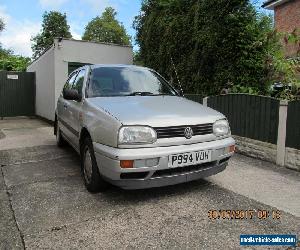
(96, 66)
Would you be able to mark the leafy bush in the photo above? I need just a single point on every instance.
(11, 62)
(14, 63)
(246, 90)
(213, 44)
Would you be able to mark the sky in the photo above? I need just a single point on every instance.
(23, 18)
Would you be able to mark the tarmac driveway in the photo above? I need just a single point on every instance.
(44, 204)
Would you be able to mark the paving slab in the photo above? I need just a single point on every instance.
(34, 154)
(2, 135)
(42, 206)
(26, 137)
(41, 171)
(25, 132)
(22, 122)
(9, 235)
(262, 181)
(168, 218)
(2, 183)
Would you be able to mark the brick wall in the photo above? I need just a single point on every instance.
(287, 19)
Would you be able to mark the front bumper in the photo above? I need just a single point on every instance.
(108, 160)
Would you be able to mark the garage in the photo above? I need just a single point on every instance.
(65, 55)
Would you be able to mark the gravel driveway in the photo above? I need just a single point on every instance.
(44, 204)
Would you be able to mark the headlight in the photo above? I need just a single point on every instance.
(137, 135)
(221, 128)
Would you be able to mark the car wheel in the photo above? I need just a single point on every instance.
(92, 178)
(60, 141)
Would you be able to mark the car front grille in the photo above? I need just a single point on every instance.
(178, 131)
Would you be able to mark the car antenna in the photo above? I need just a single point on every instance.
(176, 75)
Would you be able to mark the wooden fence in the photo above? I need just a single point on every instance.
(256, 117)
(194, 97)
(293, 125)
(250, 116)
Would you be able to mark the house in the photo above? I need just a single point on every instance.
(287, 20)
(65, 55)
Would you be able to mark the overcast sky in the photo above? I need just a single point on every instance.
(23, 18)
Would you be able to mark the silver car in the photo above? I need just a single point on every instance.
(134, 130)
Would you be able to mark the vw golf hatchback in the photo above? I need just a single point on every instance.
(134, 130)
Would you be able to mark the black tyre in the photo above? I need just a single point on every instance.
(92, 178)
(60, 141)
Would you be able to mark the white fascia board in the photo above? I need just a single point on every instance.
(272, 5)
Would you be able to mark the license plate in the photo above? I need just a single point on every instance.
(187, 159)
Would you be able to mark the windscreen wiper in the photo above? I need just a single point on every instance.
(140, 93)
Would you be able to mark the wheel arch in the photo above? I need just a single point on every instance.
(83, 134)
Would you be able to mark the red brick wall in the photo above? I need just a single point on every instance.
(287, 19)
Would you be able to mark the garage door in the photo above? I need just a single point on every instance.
(75, 65)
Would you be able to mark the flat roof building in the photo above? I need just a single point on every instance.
(65, 55)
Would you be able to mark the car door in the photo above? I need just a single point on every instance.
(74, 109)
(63, 108)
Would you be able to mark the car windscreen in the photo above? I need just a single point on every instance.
(122, 81)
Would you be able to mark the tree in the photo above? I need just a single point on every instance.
(11, 62)
(1, 24)
(106, 28)
(213, 43)
(3, 52)
(137, 60)
(54, 25)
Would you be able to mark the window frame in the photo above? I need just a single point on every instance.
(75, 81)
(69, 78)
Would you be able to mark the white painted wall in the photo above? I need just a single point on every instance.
(52, 68)
(45, 82)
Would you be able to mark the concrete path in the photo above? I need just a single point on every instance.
(262, 181)
(44, 204)
(24, 132)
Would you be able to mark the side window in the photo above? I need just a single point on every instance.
(79, 81)
(70, 81)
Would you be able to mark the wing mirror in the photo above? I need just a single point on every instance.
(71, 94)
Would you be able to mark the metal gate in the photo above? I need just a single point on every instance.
(17, 94)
